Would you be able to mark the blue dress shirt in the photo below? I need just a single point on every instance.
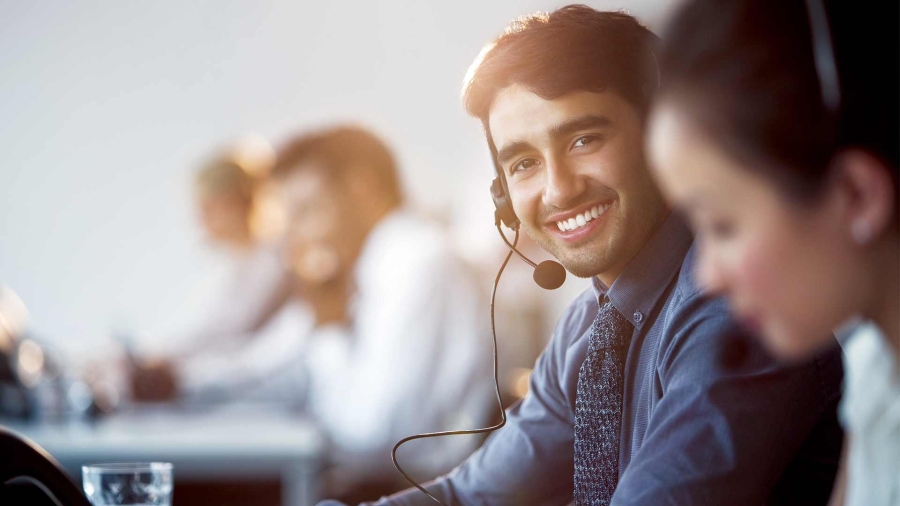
(693, 432)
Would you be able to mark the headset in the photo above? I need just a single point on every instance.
(548, 274)
(824, 56)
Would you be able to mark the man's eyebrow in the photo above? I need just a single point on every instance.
(581, 123)
(511, 150)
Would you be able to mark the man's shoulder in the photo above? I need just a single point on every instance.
(690, 311)
(690, 302)
(686, 286)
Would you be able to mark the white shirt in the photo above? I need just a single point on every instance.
(870, 411)
(250, 335)
(263, 366)
(416, 357)
(257, 286)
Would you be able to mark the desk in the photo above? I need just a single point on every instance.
(214, 445)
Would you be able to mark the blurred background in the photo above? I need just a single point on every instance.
(111, 108)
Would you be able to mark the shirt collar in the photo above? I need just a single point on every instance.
(643, 281)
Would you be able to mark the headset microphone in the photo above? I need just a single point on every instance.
(548, 274)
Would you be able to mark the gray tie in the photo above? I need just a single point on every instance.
(598, 408)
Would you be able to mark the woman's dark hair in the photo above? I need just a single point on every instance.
(338, 151)
(744, 70)
(575, 48)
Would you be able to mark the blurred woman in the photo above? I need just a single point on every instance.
(776, 132)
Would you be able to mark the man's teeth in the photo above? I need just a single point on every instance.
(580, 220)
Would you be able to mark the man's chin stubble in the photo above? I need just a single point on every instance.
(589, 262)
(586, 268)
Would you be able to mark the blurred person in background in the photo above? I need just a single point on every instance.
(228, 347)
(777, 133)
(401, 343)
(628, 404)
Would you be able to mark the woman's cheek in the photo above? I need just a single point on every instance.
(758, 271)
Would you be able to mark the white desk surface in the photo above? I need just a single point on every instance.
(240, 442)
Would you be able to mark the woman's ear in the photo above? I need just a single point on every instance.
(867, 194)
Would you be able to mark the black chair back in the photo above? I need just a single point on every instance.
(24, 462)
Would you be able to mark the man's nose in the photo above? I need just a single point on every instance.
(562, 185)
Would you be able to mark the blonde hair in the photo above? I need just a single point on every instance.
(241, 170)
(224, 175)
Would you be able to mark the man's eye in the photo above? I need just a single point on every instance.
(522, 165)
(584, 141)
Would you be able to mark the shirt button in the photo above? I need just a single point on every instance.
(638, 317)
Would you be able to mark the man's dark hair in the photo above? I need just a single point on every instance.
(575, 48)
(745, 73)
(338, 152)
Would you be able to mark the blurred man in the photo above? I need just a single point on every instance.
(401, 343)
(628, 404)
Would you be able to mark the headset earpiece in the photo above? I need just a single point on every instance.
(503, 207)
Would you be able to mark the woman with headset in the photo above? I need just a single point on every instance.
(776, 132)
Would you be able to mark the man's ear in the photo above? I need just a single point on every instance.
(867, 194)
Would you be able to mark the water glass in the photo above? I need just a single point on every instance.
(138, 484)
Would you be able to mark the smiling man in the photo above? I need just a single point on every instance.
(628, 404)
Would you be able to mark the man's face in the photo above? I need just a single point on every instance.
(577, 176)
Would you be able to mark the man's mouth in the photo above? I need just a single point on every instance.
(581, 219)
(573, 226)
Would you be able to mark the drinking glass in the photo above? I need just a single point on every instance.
(132, 484)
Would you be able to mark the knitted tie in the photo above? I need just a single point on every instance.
(598, 408)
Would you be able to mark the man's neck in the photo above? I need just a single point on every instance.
(609, 276)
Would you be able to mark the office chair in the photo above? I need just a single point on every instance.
(24, 463)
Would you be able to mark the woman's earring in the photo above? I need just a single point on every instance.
(861, 232)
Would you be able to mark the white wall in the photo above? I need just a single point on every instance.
(106, 107)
